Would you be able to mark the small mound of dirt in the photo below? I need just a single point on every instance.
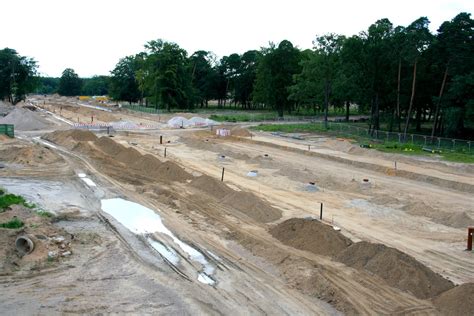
(397, 268)
(109, 146)
(451, 219)
(31, 155)
(70, 137)
(239, 131)
(310, 235)
(128, 155)
(147, 164)
(82, 136)
(252, 206)
(172, 172)
(211, 186)
(458, 220)
(457, 301)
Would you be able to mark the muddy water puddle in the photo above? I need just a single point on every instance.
(143, 221)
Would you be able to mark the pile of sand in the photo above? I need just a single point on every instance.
(457, 301)
(452, 219)
(396, 268)
(252, 206)
(457, 220)
(128, 156)
(310, 235)
(25, 120)
(109, 146)
(31, 155)
(178, 121)
(240, 132)
(69, 138)
(211, 186)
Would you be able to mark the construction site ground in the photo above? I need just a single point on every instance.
(258, 232)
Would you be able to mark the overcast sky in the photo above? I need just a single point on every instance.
(91, 35)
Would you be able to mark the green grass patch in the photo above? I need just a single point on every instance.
(244, 117)
(12, 224)
(7, 200)
(461, 155)
(291, 128)
(44, 213)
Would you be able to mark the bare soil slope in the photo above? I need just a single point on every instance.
(457, 301)
(397, 268)
(310, 235)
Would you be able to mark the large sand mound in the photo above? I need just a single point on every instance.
(211, 186)
(252, 206)
(25, 120)
(310, 235)
(396, 268)
(457, 301)
(70, 137)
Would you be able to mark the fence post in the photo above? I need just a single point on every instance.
(454, 143)
(412, 142)
(425, 141)
(399, 137)
(469, 144)
(439, 142)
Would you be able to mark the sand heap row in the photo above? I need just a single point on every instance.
(146, 165)
(149, 166)
(395, 267)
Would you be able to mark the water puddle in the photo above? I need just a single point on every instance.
(142, 220)
(88, 181)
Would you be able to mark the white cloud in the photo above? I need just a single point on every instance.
(91, 35)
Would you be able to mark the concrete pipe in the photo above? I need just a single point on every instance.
(24, 245)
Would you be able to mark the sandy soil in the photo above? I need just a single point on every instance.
(420, 211)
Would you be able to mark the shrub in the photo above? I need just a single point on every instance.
(12, 224)
(10, 199)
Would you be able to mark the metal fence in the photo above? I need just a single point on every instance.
(425, 141)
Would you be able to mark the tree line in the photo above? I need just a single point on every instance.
(69, 84)
(402, 76)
